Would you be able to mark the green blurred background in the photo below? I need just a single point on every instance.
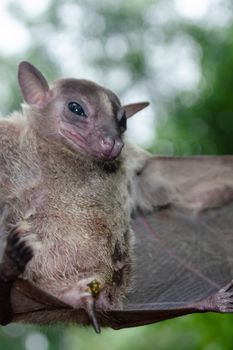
(178, 54)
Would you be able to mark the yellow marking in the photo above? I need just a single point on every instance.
(94, 288)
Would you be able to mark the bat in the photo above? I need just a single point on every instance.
(180, 215)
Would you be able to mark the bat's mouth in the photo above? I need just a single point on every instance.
(75, 138)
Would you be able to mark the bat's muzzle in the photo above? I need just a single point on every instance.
(111, 147)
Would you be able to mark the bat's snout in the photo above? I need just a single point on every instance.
(111, 147)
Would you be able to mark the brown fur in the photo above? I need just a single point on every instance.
(76, 204)
(76, 198)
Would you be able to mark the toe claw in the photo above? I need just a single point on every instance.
(222, 301)
(228, 287)
(92, 314)
(17, 253)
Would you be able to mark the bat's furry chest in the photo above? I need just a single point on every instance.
(81, 204)
(82, 221)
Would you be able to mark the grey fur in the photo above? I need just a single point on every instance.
(76, 202)
(73, 200)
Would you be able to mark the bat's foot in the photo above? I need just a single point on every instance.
(18, 253)
(83, 296)
(222, 301)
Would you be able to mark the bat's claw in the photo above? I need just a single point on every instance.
(222, 301)
(224, 298)
(91, 310)
(83, 295)
(15, 258)
(17, 254)
(94, 287)
(18, 250)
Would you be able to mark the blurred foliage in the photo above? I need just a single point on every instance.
(141, 49)
(203, 123)
(193, 332)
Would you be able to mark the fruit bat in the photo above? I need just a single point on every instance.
(95, 230)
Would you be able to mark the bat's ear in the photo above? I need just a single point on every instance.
(33, 85)
(134, 108)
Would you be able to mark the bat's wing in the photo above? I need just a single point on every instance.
(184, 247)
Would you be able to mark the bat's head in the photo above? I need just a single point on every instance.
(80, 114)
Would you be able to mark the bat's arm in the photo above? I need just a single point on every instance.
(221, 302)
(29, 302)
(132, 318)
(192, 183)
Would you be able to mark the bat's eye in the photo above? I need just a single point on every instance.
(74, 107)
(123, 123)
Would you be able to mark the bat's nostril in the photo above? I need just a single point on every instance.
(111, 146)
(107, 144)
(119, 144)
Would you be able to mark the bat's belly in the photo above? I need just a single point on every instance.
(79, 241)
